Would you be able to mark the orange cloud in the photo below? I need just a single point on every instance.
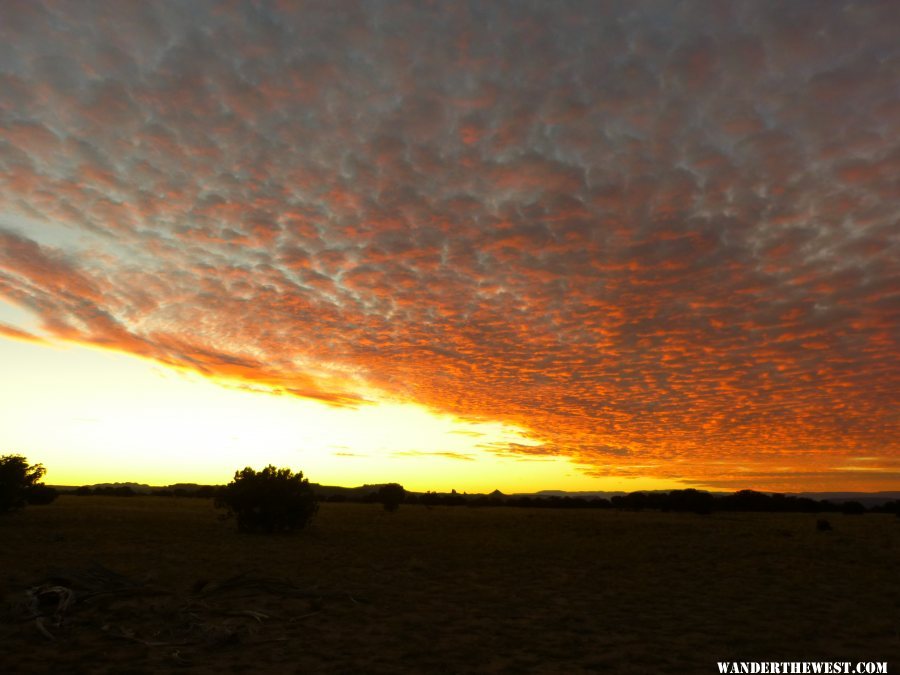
(18, 334)
(661, 253)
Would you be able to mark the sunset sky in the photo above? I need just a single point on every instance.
(473, 245)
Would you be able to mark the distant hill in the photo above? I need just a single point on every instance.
(327, 491)
(867, 499)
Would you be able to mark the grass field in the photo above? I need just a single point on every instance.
(447, 590)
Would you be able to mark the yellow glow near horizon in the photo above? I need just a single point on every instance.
(91, 415)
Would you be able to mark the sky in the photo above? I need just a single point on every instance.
(458, 245)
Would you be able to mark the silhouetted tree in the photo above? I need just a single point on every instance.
(747, 500)
(391, 496)
(114, 491)
(271, 500)
(40, 494)
(690, 499)
(20, 484)
(634, 501)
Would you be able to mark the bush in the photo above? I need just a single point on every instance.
(391, 496)
(20, 484)
(271, 500)
(40, 495)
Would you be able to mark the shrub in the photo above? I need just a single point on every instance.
(391, 496)
(40, 494)
(20, 484)
(271, 500)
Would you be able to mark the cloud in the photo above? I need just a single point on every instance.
(659, 235)
(18, 334)
(435, 453)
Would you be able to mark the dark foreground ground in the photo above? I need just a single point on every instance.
(160, 584)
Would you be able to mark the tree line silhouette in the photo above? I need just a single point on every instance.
(688, 500)
(684, 501)
(275, 499)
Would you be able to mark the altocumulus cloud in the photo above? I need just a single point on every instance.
(661, 236)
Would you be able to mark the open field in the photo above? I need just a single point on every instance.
(447, 590)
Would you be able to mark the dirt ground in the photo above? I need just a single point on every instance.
(147, 585)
